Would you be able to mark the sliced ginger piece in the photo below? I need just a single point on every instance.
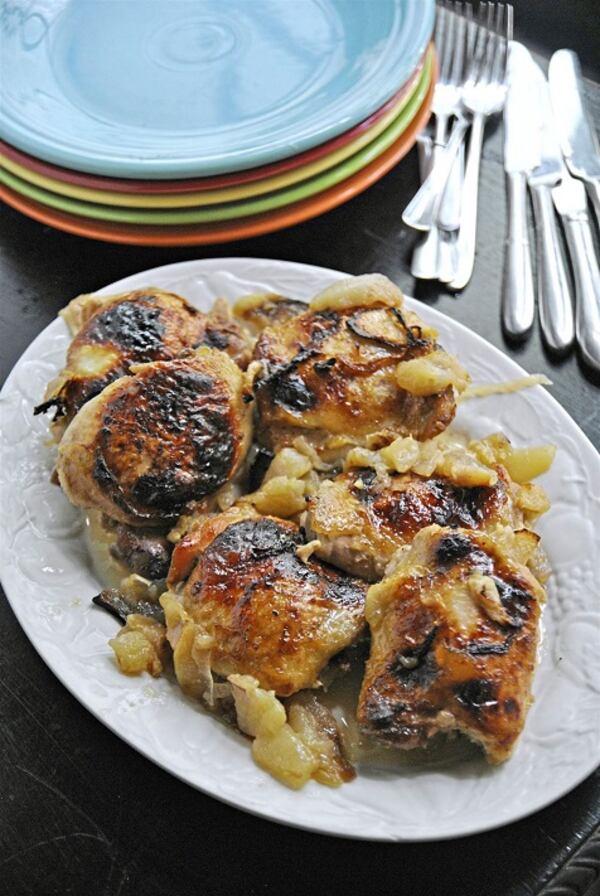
(431, 374)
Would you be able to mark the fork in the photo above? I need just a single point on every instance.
(434, 256)
(421, 212)
(483, 97)
(484, 89)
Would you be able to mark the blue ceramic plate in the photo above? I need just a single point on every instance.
(185, 88)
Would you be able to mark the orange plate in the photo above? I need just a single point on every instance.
(140, 235)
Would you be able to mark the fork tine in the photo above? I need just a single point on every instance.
(458, 57)
(439, 29)
(492, 43)
(504, 34)
(509, 37)
(494, 26)
(447, 45)
(440, 34)
(481, 40)
(499, 43)
(471, 33)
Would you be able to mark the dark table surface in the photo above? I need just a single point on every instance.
(80, 811)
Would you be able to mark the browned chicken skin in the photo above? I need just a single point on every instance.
(113, 333)
(331, 372)
(454, 636)
(270, 613)
(361, 519)
(150, 443)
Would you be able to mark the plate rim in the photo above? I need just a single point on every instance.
(421, 15)
(243, 228)
(226, 264)
(249, 175)
(224, 210)
(233, 193)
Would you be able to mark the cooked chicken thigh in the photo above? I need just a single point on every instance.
(112, 333)
(454, 633)
(333, 371)
(266, 610)
(362, 519)
(149, 443)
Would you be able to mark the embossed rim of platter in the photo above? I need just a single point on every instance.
(560, 744)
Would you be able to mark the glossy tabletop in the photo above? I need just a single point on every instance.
(80, 811)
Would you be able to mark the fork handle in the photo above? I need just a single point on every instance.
(449, 212)
(587, 287)
(518, 300)
(467, 235)
(434, 255)
(421, 211)
(554, 296)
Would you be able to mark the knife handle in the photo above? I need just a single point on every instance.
(467, 235)
(425, 254)
(593, 187)
(518, 301)
(587, 287)
(554, 297)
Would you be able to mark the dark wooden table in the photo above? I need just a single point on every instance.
(80, 811)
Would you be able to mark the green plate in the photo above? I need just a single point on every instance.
(233, 210)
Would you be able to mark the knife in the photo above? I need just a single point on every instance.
(520, 157)
(554, 297)
(578, 140)
(570, 201)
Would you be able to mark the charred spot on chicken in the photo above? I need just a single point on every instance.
(171, 433)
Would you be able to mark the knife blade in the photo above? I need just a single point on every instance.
(553, 291)
(520, 157)
(550, 168)
(578, 140)
(521, 117)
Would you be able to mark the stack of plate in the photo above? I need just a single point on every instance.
(170, 122)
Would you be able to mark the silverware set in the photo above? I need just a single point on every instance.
(541, 119)
(550, 151)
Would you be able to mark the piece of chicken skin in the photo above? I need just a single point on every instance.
(361, 519)
(113, 333)
(270, 613)
(149, 443)
(454, 633)
(331, 371)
